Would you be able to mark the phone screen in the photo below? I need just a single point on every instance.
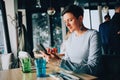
(42, 48)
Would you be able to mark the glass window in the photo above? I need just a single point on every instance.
(47, 29)
(86, 19)
(41, 31)
(95, 19)
(2, 38)
(5, 46)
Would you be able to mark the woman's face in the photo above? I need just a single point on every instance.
(72, 22)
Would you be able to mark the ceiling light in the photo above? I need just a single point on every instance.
(51, 11)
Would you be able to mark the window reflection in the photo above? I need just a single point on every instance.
(1, 35)
(40, 27)
(47, 28)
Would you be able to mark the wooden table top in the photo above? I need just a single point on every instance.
(17, 74)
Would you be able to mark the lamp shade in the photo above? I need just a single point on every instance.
(105, 9)
(51, 11)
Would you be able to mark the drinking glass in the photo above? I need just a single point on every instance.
(26, 65)
(40, 64)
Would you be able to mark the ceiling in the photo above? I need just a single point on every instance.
(91, 4)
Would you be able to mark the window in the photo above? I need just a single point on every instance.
(47, 29)
(2, 38)
(4, 33)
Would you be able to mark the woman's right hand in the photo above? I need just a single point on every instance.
(52, 55)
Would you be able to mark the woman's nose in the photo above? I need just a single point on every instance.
(67, 24)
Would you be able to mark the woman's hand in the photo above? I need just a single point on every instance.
(51, 56)
(47, 57)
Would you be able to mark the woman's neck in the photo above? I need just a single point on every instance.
(81, 31)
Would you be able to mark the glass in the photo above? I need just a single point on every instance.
(46, 29)
(4, 32)
(54, 50)
(26, 65)
(40, 64)
(41, 31)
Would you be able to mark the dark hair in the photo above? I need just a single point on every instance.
(74, 9)
(117, 5)
(107, 16)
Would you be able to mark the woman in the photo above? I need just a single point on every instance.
(82, 47)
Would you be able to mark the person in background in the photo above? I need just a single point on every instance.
(104, 29)
(114, 36)
(82, 46)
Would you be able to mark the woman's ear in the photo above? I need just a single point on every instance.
(81, 18)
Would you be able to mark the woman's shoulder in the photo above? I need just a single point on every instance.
(92, 31)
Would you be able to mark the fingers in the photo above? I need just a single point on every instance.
(44, 55)
(62, 54)
(53, 54)
(47, 57)
(36, 55)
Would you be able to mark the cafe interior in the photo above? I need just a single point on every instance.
(25, 23)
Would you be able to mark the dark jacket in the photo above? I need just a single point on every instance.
(114, 37)
(104, 29)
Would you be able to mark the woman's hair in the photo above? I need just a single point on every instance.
(74, 9)
(67, 35)
(117, 5)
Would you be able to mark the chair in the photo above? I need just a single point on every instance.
(6, 61)
(111, 64)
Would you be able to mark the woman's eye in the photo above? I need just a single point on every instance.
(70, 19)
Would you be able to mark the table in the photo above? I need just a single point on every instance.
(17, 74)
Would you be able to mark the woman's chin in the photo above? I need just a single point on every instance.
(71, 30)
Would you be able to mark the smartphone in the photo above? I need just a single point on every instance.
(42, 48)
